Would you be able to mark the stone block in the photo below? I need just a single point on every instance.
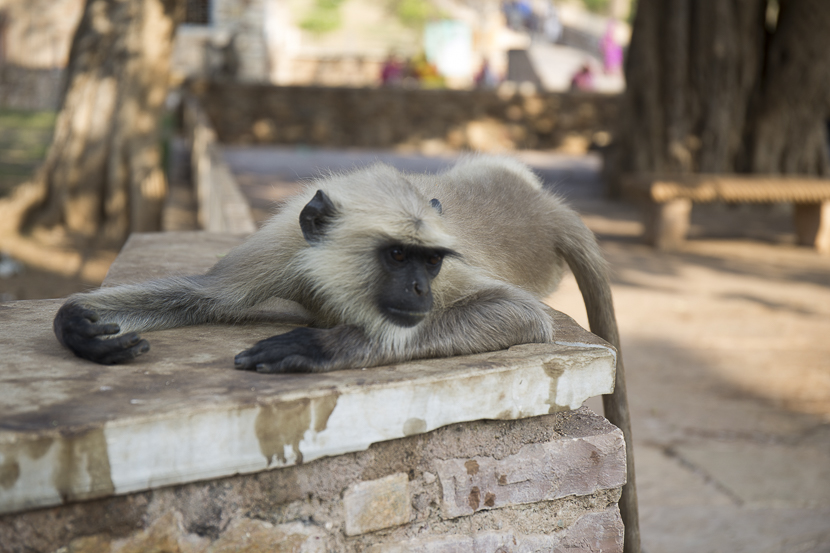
(220, 513)
(377, 504)
(538, 472)
(254, 536)
(243, 535)
(422, 119)
(592, 533)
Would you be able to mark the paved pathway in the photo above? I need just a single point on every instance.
(727, 357)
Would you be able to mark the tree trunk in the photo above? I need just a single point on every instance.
(719, 86)
(102, 178)
(789, 131)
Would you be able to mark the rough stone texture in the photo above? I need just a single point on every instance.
(304, 504)
(485, 120)
(377, 504)
(537, 472)
(592, 533)
(244, 535)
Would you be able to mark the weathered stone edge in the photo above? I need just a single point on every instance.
(146, 452)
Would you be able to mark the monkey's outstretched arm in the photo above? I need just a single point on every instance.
(489, 320)
(86, 322)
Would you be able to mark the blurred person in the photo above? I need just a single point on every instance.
(551, 25)
(486, 77)
(392, 71)
(424, 73)
(512, 15)
(583, 80)
(612, 52)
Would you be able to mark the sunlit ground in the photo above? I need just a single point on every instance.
(753, 313)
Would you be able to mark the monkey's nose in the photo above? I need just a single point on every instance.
(419, 288)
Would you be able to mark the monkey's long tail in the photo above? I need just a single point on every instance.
(590, 270)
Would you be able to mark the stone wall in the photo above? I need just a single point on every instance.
(427, 120)
(547, 483)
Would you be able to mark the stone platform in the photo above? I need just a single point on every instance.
(470, 453)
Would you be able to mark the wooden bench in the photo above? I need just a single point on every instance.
(668, 201)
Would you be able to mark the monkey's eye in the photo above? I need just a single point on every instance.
(397, 254)
(435, 259)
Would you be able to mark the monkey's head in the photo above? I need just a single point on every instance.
(376, 247)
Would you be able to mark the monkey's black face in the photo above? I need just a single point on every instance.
(404, 294)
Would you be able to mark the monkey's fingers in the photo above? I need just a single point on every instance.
(291, 364)
(107, 351)
(73, 319)
(90, 330)
(266, 368)
(243, 363)
(254, 358)
(128, 347)
(82, 312)
(277, 354)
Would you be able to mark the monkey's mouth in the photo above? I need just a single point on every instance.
(403, 317)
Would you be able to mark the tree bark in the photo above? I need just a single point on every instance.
(789, 128)
(712, 89)
(102, 178)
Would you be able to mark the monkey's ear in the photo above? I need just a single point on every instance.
(315, 216)
(436, 205)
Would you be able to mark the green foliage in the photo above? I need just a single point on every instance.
(632, 12)
(324, 17)
(24, 140)
(415, 13)
(597, 6)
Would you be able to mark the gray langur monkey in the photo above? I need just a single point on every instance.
(392, 267)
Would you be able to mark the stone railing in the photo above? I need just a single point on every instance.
(221, 205)
(426, 120)
(177, 451)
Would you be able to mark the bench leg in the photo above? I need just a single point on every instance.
(667, 224)
(812, 225)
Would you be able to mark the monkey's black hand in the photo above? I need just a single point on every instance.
(298, 351)
(78, 329)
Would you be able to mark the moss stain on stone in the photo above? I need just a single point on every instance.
(9, 472)
(285, 424)
(554, 371)
(414, 426)
(474, 499)
(12, 454)
(82, 468)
